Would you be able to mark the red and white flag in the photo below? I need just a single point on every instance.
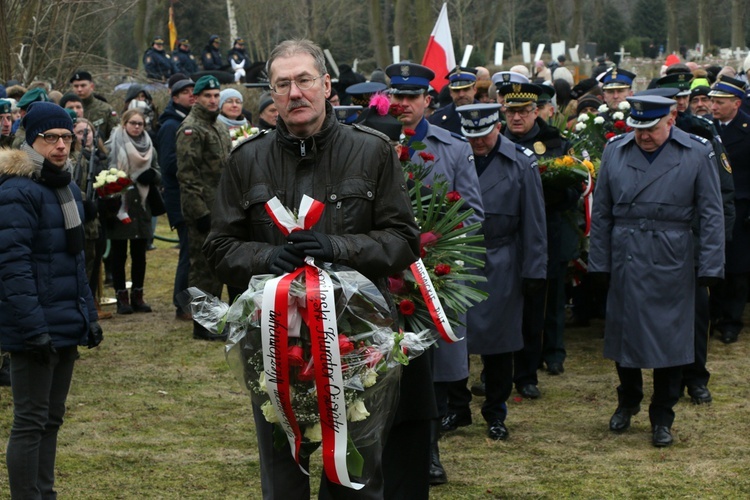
(439, 56)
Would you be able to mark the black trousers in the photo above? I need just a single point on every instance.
(666, 391)
(732, 301)
(526, 361)
(696, 372)
(453, 397)
(118, 255)
(498, 384)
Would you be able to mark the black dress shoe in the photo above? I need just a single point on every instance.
(699, 394)
(453, 421)
(529, 391)
(478, 390)
(729, 337)
(437, 473)
(555, 368)
(497, 431)
(620, 421)
(662, 436)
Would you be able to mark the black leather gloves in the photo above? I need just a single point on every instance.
(203, 224)
(312, 243)
(40, 348)
(285, 259)
(96, 335)
(531, 285)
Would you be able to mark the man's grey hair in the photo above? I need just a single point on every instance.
(289, 48)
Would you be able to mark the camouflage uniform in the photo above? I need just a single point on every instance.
(202, 145)
(19, 138)
(101, 115)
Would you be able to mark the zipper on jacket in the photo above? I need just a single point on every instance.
(302, 148)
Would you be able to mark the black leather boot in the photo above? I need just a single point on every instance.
(123, 303)
(136, 301)
(437, 473)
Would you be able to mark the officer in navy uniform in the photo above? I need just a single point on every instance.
(454, 161)
(617, 85)
(360, 93)
(183, 60)
(734, 128)
(696, 375)
(211, 56)
(515, 235)
(462, 85)
(651, 185)
(347, 114)
(502, 78)
(544, 309)
(238, 53)
(156, 62)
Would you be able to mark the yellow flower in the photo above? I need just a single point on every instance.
(568, 161)
(589, 165)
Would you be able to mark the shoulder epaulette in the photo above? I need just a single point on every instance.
(459, 137)
(698, 138)
(370, 131)
(524, 150)
(616, 138)
(249, 139)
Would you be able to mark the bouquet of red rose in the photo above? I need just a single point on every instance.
(110, 182)
(450, 251)
(317, 352)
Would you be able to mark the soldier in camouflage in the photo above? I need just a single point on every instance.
(202, 145)
(33, 95)
(98, 112)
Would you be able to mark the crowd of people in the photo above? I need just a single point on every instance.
(670, 211)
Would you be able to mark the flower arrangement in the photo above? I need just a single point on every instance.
(594, 130)
(317, 352)
(111, 182)
(450, 250)
(566, 171)
(109, 185)
(241, 134)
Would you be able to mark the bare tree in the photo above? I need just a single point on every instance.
(673, 42)
(738, 23)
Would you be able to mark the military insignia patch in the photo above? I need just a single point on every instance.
(148, 59)
(725, 163)
(471, 158)
(188, 131)
(540, 148)
(405, 71)
(208, 56)
(114, 113)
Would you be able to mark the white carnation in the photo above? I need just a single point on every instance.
(624, 106)
(121, 174)
(617, 115)
(599, 120)
(580, 126)
(583, 117)
(111, 178)
(113, 171)
(603, 108)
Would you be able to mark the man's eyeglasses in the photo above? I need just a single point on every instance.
(283, 87)
(135, 124)
(523, 113)
(53, 138)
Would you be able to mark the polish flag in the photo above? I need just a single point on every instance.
(439, 56)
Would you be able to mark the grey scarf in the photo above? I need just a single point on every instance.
(59, 180)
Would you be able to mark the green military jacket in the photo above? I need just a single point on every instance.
(202, 145)
(101, 115)
(19, 138)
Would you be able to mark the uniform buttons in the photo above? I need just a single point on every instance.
(630, 257)
(632, 231)
(246, 204)
(632, 204)
(333, 197)
(369, 194)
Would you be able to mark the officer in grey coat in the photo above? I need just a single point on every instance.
(454, 162)
(515, 235)
(652, 183)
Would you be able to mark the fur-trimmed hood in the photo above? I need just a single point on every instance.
(16, 162)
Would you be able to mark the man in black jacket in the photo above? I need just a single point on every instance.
(367, 225)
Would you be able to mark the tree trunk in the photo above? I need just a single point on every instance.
(378, 34)
(426, 18)
(139, 26)
(400, 25)
(576, 32)
(704, 24)
(738, 24)
(232, 21)
(553, 28)
(673, 42)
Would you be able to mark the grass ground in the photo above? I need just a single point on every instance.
(155, 414)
